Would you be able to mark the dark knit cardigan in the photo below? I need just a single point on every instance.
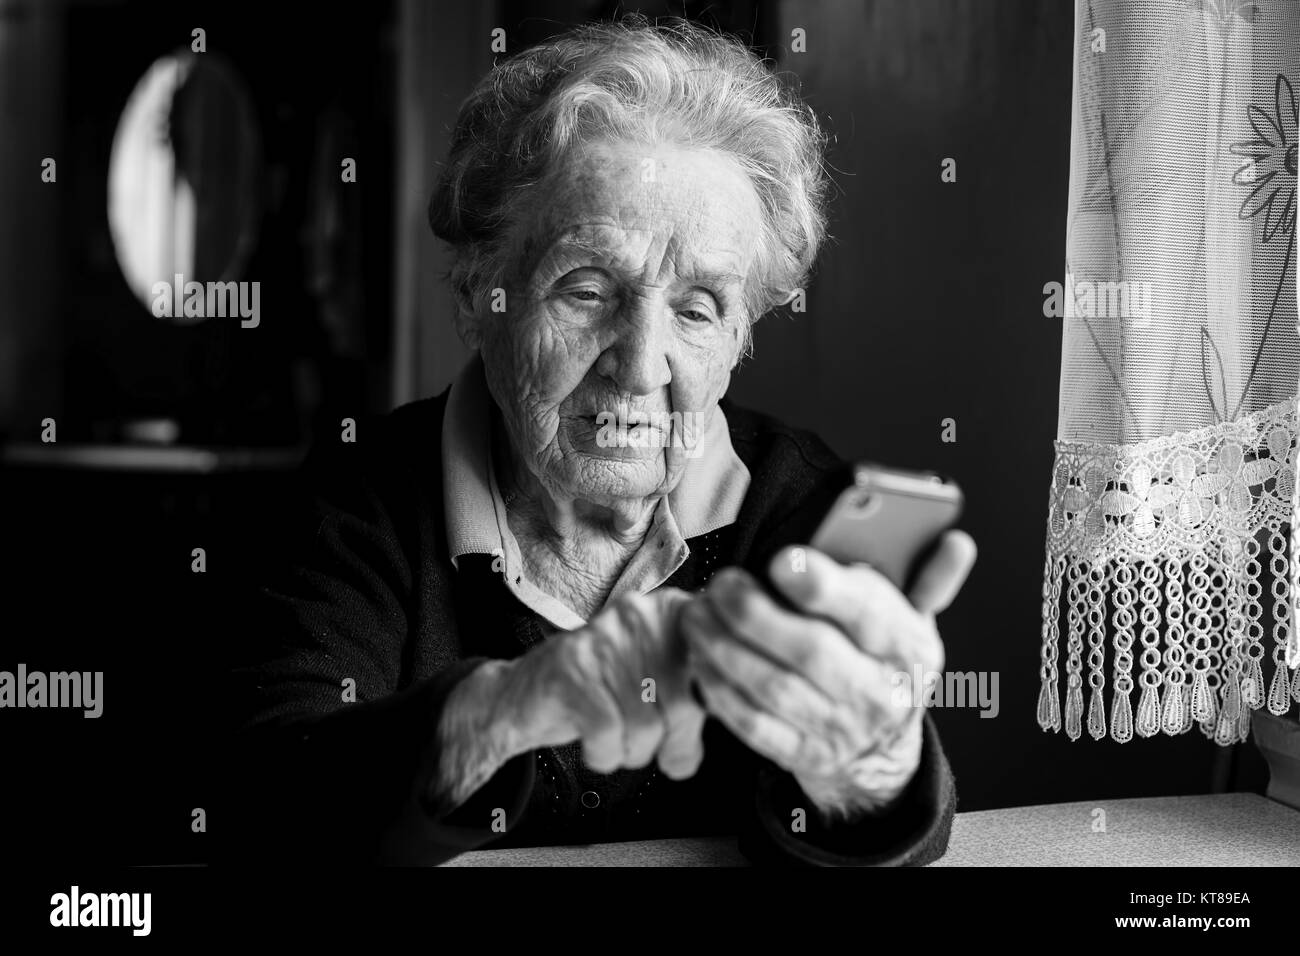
(368, 597)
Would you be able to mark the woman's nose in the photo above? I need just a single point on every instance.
(637, 359)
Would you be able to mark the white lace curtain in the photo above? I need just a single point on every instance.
(1171, 577)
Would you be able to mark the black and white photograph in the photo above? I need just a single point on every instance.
(762, 435)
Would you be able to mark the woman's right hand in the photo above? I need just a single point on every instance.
(619, 685)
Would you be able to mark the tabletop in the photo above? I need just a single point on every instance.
(1226, 829)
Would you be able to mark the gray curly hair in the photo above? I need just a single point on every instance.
(671, 82)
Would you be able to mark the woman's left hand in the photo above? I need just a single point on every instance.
(825, 692)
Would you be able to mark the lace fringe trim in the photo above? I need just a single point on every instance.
(1172, 542)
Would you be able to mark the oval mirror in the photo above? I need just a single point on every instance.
(184, 178)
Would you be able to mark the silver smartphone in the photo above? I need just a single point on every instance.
(889, 518)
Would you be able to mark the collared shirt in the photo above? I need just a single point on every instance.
(707, 497)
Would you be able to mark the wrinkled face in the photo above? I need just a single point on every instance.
(623, 318)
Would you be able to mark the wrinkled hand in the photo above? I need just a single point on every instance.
(825, 691)
(591, 685)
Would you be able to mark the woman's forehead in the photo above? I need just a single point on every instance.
(715, 256)
(610, 199)
(648, 177)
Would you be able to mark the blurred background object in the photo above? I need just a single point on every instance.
(184, 176)
(210, 165)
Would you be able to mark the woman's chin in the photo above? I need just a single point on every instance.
(617, 473)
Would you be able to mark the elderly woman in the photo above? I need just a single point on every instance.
(520, 613)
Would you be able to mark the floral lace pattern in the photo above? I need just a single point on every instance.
(1171, 542)
(1172, 567)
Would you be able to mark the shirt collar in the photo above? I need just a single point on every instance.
(707, 497)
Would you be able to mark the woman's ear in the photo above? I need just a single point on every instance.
(467, 319)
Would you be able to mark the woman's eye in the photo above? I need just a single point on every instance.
(585, 285)
(696, 315)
